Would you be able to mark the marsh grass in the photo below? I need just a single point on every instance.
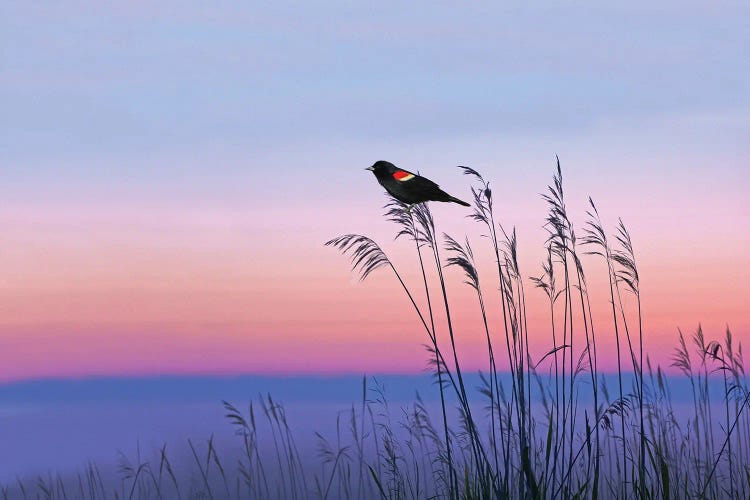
(547, 428)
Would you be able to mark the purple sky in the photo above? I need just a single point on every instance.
(170, 172)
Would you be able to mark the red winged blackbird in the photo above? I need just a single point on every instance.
(407, 187)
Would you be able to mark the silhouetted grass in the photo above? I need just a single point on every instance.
(568, 438)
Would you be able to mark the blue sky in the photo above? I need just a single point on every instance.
(88, 80)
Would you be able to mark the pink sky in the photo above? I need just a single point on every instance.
(233, 287)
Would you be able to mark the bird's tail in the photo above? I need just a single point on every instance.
(456, 200)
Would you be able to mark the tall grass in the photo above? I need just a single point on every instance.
(584, 452)
(547, 428)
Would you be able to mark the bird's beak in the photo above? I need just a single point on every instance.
(370, 169)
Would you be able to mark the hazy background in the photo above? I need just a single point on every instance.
(169, 173)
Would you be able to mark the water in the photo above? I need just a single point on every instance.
(59, 426)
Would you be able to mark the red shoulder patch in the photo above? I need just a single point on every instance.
(400, 175)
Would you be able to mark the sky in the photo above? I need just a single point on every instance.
(169, 173)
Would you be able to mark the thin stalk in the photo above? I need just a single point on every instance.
(453, 479)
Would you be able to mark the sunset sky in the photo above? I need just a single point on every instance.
(169, 174)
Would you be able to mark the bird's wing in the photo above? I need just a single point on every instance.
(411, 178)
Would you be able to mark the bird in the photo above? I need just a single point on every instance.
(408, 187)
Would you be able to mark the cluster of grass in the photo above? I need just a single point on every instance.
(627, 443)
(550, 428)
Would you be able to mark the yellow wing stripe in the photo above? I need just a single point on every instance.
(402, 176)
